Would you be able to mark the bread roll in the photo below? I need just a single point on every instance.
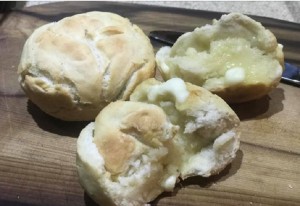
(208, 138)
(122, 156)
(72, 68)
(168, 131)
(235, 57)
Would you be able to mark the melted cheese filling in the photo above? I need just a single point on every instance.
(174, 87)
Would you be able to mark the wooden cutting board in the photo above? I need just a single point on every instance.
(37, 152)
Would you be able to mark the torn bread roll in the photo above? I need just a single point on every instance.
(235, 58)
(169, 131)
(122, 157)
(208, 138)
(72, 68)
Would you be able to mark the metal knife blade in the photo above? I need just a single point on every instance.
(291, 74)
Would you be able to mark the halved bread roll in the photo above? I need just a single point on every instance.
(72, 68)
(208, 136)
(235, 57)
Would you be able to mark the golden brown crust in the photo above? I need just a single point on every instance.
(88, 60)
(117, 126)
(244, 93)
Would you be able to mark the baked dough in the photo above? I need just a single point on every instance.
(208, 136)
(122, 157)
(169, 131)
(72, 68)
(235, 57)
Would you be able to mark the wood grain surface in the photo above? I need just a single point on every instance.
(37, 152)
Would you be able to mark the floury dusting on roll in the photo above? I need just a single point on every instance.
(73, 68)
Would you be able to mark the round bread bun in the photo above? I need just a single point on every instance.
(72, 68)
(208, 138)
(122, 157)
(235, 58)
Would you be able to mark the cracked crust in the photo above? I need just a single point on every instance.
(74, 67)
